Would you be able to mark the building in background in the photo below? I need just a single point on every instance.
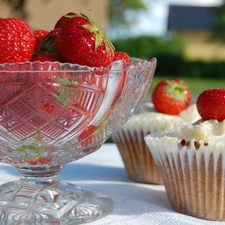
(194, 24)
(43, 14)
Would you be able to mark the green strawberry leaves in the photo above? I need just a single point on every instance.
(65, 93)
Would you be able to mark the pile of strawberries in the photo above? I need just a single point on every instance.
(75, 39)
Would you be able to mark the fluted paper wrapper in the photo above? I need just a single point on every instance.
(193, 175)
(138, 160)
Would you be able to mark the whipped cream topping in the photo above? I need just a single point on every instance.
(210, 131)
(189, 115)
(148, 118)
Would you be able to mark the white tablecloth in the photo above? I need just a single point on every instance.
(134, 203)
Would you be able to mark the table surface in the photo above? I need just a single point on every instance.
(134, 203)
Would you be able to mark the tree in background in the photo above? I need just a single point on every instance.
(17, 7)
(123, 14)
(218, 30)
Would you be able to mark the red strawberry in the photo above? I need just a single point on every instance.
(41, 160)
(211, 104)
(122, 56)
(16, 40)
(48, 108)
(171, 96)
(87, 132)
(39, 36)
(44, 159)
(44, 58)
(47, 48)
(64, 19)
(32, 162)
(48, 45)
(79, 41)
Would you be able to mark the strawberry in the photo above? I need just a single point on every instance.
(17, 40)
(47, 108)
(122, 56)
(171, 96)
(87, 132)
(39, 160)
(44, 159)
(44, 58)
(37, 156)
(64, 19)
(48, 47)
(79, 41)
(211, 104)
(39, 36)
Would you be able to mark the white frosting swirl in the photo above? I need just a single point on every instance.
(209, 131)
(148, 118)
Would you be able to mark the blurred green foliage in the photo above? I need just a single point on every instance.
(124, 12)
(218, 29)
(147, 46)
(170, 56)
(203, 69)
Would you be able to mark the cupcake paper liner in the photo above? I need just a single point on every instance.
(138, 160)
(193, 174)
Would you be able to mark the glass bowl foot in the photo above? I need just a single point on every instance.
(55, 202)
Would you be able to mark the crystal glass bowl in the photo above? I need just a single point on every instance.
(52, 114)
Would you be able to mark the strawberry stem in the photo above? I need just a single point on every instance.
(99, 36)
(177, 90)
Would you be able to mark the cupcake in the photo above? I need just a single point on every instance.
(191, 160)
(137, 159)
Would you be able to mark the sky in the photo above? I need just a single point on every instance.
(154, 22)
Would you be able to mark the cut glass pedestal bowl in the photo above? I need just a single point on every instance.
(52, 114)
